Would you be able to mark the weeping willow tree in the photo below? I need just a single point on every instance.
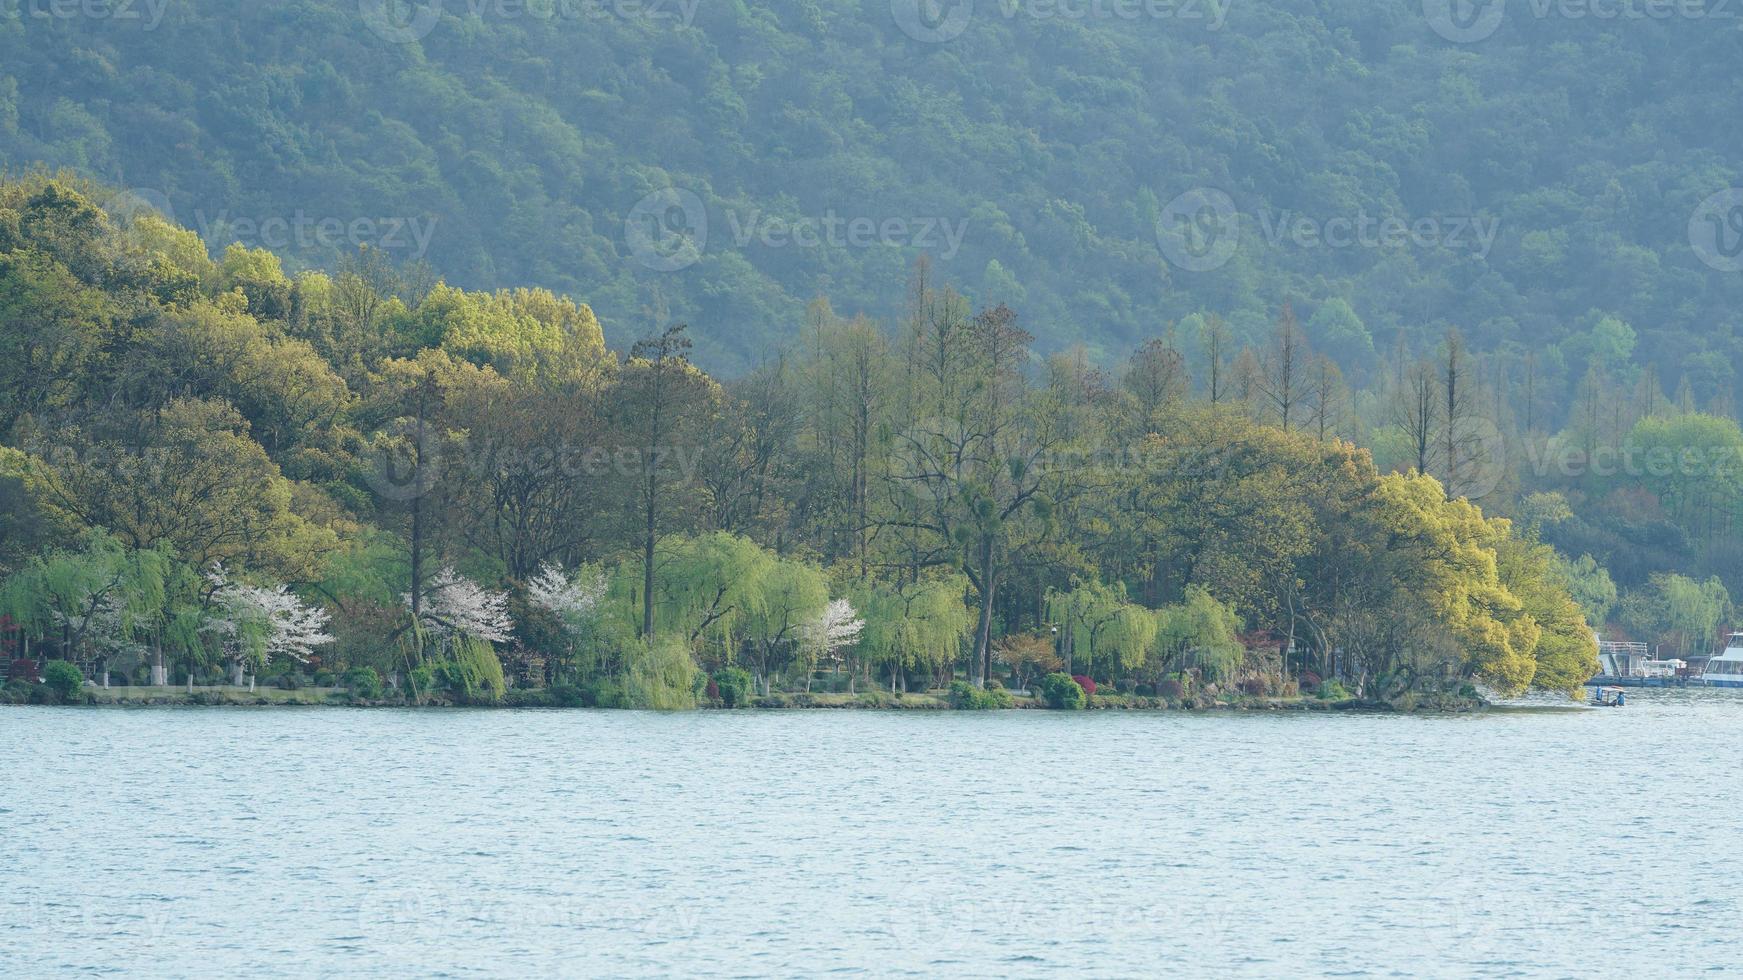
(92, 604)
(724, 597)
(472, 669)
(792, 593)
(704, 587)
(660, 675)
(1100, 631)
(177, 634)
(1200, 633)
(918, 627)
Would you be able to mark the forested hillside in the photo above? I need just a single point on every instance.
(1552, 173)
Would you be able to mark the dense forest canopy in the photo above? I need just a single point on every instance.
(1538, 179)
(208, 466)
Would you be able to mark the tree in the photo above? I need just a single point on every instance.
(1340, 333)
(1282, 379)
(1325, 397)
(791, 595)
(704, 587)
(570, 598)
(1692, 610)
(574, 601)
(837, 627)
(54, 329)
(533, 464)
(1156, 379)
(1590, 586)
(662, 399)
(1416, 412)
(1461, 444)
(971, 475)
(458, 607)
(188, 478)
(1099, 631)
(1201, 634)
(254, 624)
(921, 626)
(1029, 657)
(1214, 339)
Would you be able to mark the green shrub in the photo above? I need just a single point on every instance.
(874, 699)
(526, 697)
(1334, 691)
(567, 696)
(64, 680)
(603, 692)
(1060, 692)
(421, 681)
(325, 678)
(966, 697)
(363, 682)
(18, 692)
(735, 686)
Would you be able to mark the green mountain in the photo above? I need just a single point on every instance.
(1534, 174)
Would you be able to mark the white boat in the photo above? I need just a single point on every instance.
(1726, 669)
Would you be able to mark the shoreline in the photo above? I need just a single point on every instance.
(537, 699)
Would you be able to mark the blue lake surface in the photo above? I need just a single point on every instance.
(297, 842)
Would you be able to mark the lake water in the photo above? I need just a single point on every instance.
(289, 842)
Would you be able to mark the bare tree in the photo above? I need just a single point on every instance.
(1214, 337)
(1326, 396)
(1156, 378)
(1416, 410)
(1283, 375)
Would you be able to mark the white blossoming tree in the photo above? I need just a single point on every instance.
(254, 624)
(573, 600)
(568, 598)
(466, 620)
(456, 606)
(834, 629)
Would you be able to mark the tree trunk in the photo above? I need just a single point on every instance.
(648, 562)
(983, 647)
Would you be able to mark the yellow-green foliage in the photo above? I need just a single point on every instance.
(660, 675)
(1458, 578)
(1101, 629)
(921, 626)
(473, 669)
(1566, 647)
(1202, 633)
(523, 332)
